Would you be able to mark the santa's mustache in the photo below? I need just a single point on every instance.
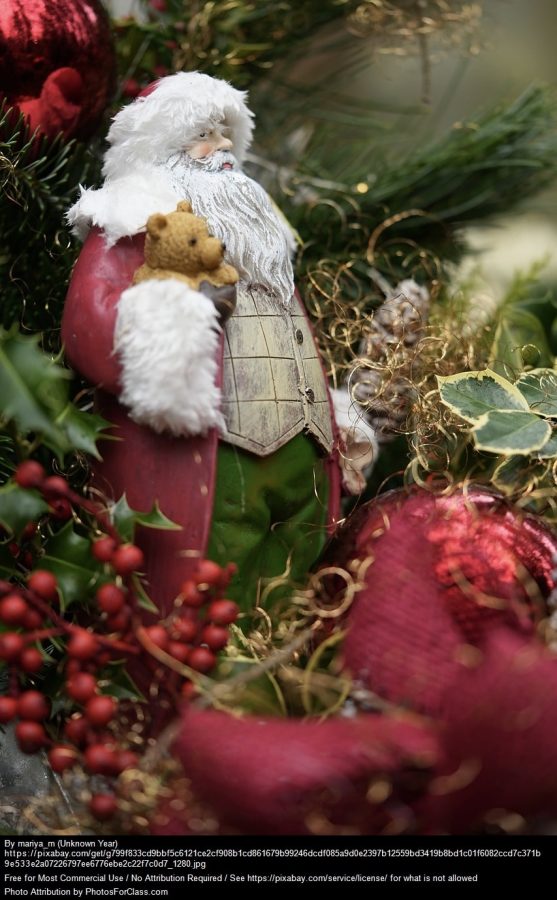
(215, 162)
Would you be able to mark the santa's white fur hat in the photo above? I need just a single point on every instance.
(167, 116)
(170, 115)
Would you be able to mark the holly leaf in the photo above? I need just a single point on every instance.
(510, 432)
(18, 507)
(83, 429)
(33, 389)
(125, 519)
(120, 684)
(143, 597)
(473, 394)
(68, 556)
(7, 562)
(517, 333)
(539, 387)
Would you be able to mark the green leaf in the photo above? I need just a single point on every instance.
(473, 394)
(33, 389)
(540, 389)
(83, 429)
(511, 432)
(549, 449)
(125, 519)
(143, 598)
(18, 507)
(517, 329)
(68, 555)
(120, 684)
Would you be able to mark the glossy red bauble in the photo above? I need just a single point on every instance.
(57, 63)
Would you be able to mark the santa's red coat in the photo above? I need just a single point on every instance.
(178, 473)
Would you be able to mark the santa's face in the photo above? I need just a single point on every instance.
(208, 141)
(237, 210)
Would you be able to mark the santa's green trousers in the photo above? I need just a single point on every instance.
(269, 517)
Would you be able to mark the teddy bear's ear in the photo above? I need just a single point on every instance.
(184, 206)
(156, 225)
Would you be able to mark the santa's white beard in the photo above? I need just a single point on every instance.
(240, 213)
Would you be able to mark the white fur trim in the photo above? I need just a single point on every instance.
(360, 442)
(167, 338)
(350, 418)
(152, 128)
(122, 206)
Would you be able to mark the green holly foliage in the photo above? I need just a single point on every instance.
(125, 519)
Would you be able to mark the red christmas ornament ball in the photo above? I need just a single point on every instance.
(57, 63)
(445, 572)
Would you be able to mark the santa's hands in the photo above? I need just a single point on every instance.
(223, 297)
(167, 340)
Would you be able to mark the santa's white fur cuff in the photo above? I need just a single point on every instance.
(167, 338)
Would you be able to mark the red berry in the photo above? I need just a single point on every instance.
(192, 597)
(8, 709)
(76, 730)
(29, 531)
(127, 559)
(179, 651)
(103, 806)
(100, 759)
(61, 509)
(62, 757)
(120, 621)
(184, 629)
(81, 687)
(189, 690)
(103, 549)
(158, 5)
(73, 666)
(32, 620)
(13, 609)
(30, 660)
(82, 645)
(111, 599)
(99, 711)
(157, 634)
(126, 759)
(215, 637)
(209, 573)
(223, 612)
(201, 659)
(11, 645)
(30, 736)
(14, 549)
(29, 474)
(33, 705)
(130, 88)
(44, 584)
(55, 486)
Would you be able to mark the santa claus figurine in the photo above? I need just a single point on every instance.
(230, 429)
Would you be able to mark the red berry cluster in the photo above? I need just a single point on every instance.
(193, 635)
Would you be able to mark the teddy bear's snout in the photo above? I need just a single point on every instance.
(211, 254)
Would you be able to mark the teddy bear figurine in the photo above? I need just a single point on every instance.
(178, 245)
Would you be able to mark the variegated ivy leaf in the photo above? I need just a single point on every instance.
(549, 449)
(539, 387)
(511, 432)
(472, 395)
